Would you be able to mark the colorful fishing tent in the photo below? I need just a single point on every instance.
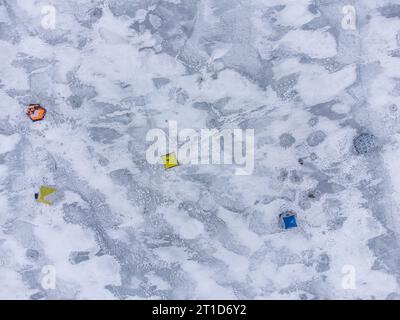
(46, 195)
(288, 220)
(170, 160)
(36, 112)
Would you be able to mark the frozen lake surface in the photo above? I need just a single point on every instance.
(323, 98)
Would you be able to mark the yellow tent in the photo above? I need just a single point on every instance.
(44, 193)
(170, 160)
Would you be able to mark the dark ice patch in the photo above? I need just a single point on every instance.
(387, 250)
(323, 263)
(284, 87)
(365, 143)
(38, 295)
(122, 177)
(76, 257)
(9, 33)
(296, 177)
(160, 82)
(75, 101)
(286, 140)
(31, 277)
(316, 138)
(325, 110)
(29, 63)
(75, 214)
(128, 8)
(32, 254)
(329, 187)
(79, 90)
(104, 135)
(89, 17)
(390, 11)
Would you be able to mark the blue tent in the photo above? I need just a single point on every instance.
(288, 220)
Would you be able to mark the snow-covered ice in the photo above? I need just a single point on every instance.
(324, 103)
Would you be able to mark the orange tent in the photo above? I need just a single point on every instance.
(36, 112)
